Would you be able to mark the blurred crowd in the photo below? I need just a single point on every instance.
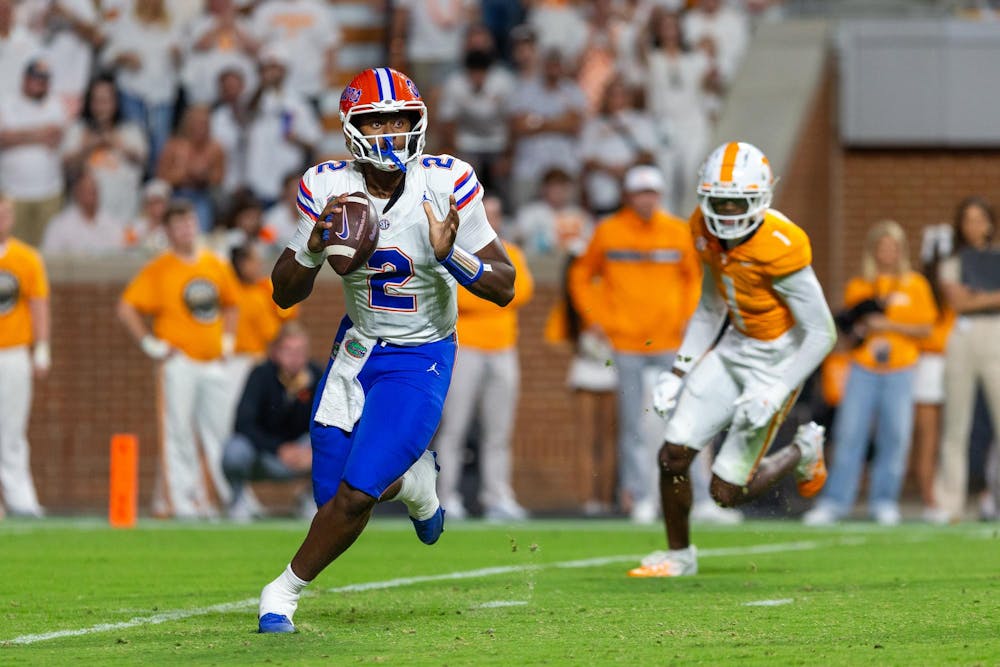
(151, 127)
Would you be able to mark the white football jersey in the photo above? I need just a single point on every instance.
(402, 295)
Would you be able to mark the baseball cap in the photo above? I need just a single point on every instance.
(156, 188)
(643, 178)
(273, 54)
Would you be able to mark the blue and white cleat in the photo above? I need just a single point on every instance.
(419, 493)
(274, 623)
(429, 530)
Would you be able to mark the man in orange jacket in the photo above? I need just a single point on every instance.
(485, 383)
(637, 284)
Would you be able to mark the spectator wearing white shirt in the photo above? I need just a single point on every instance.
(230, 119)
(82, 229)
(71, 32)
(554, 224)
(431, 32)
(560, 26)
(284, 130)
(282, 218)
(144, 47)
(723, 30)
(111, 147)
(302, 27)
(146, 233)
(613, 141)
(218, 40)
(18, 46)
(31, 123)
(678, 82)
(546, 118)
(473, 109)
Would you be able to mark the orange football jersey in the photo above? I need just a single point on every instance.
(743, 276)
(22, 278)
(260, 318)
(185, 300)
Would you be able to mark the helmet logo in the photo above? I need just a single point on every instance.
(351, 95)
(412, 88)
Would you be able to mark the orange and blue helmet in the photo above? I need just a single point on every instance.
(383, 90)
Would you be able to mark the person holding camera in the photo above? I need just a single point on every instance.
(888, 310)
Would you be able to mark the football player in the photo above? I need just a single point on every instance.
(380, 400)
(757, 273)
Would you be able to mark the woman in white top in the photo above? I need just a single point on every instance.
(144, 49)
(110, 147)
(677, 81)
(619, 137)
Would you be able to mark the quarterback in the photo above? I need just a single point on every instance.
(757, 274)
(380, 400)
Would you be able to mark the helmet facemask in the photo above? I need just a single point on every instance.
(381, 153)
(733, 226)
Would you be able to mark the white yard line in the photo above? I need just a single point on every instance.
(225, 607)
(768, 603)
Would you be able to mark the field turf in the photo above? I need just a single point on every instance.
(541, 592)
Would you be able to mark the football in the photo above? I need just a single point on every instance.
(354, 237)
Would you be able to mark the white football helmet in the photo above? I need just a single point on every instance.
(735, 170)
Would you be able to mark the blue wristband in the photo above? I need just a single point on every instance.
(464, 266)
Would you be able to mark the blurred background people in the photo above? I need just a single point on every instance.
(144, 47)
(546, 118)
(110, 147)
(636, 285)
(425, 37)
(193, 163)
(82, 228)
(271, 438)
(147, 231)
(31, 130)
(553, 224)
(485, 385)
(24, 357)
(890, 309)
(970, 283)
(619, 137)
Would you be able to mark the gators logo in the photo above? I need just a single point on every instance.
(355, 349)
(351, 95)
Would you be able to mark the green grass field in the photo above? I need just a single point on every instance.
(543, 592)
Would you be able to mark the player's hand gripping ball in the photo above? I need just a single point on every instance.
(353, 233)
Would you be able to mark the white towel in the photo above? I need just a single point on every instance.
(343, 397)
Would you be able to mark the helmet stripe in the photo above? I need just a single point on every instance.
(729, 161)
(392, 84)
(384, 81)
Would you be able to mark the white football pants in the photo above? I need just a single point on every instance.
(15, 405)
(484, 386)
(195, 408)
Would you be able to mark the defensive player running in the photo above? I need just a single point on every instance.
(757, 271)
(380, 400)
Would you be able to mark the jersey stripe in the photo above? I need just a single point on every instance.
(461, 203)
(303, 188)
(462, 180)
(309, 213)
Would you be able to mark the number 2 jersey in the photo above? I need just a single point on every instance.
(402, 295)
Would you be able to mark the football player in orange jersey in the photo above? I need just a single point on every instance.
(757, 273)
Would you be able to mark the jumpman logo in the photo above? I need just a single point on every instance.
(434, 369)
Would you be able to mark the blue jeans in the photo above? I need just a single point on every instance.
(636, 456)
(883, 401)
(156, 119)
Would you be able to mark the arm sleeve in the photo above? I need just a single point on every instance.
(802, 293)
(250, 406)
(142, 293)
(704, 326)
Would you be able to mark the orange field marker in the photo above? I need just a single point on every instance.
(123, 485)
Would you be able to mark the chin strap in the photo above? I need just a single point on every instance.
(390, 151)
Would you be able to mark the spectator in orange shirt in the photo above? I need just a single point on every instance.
(484, 385)
(190, 294)
(637, 284)
(24, 321)
(891, 309)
